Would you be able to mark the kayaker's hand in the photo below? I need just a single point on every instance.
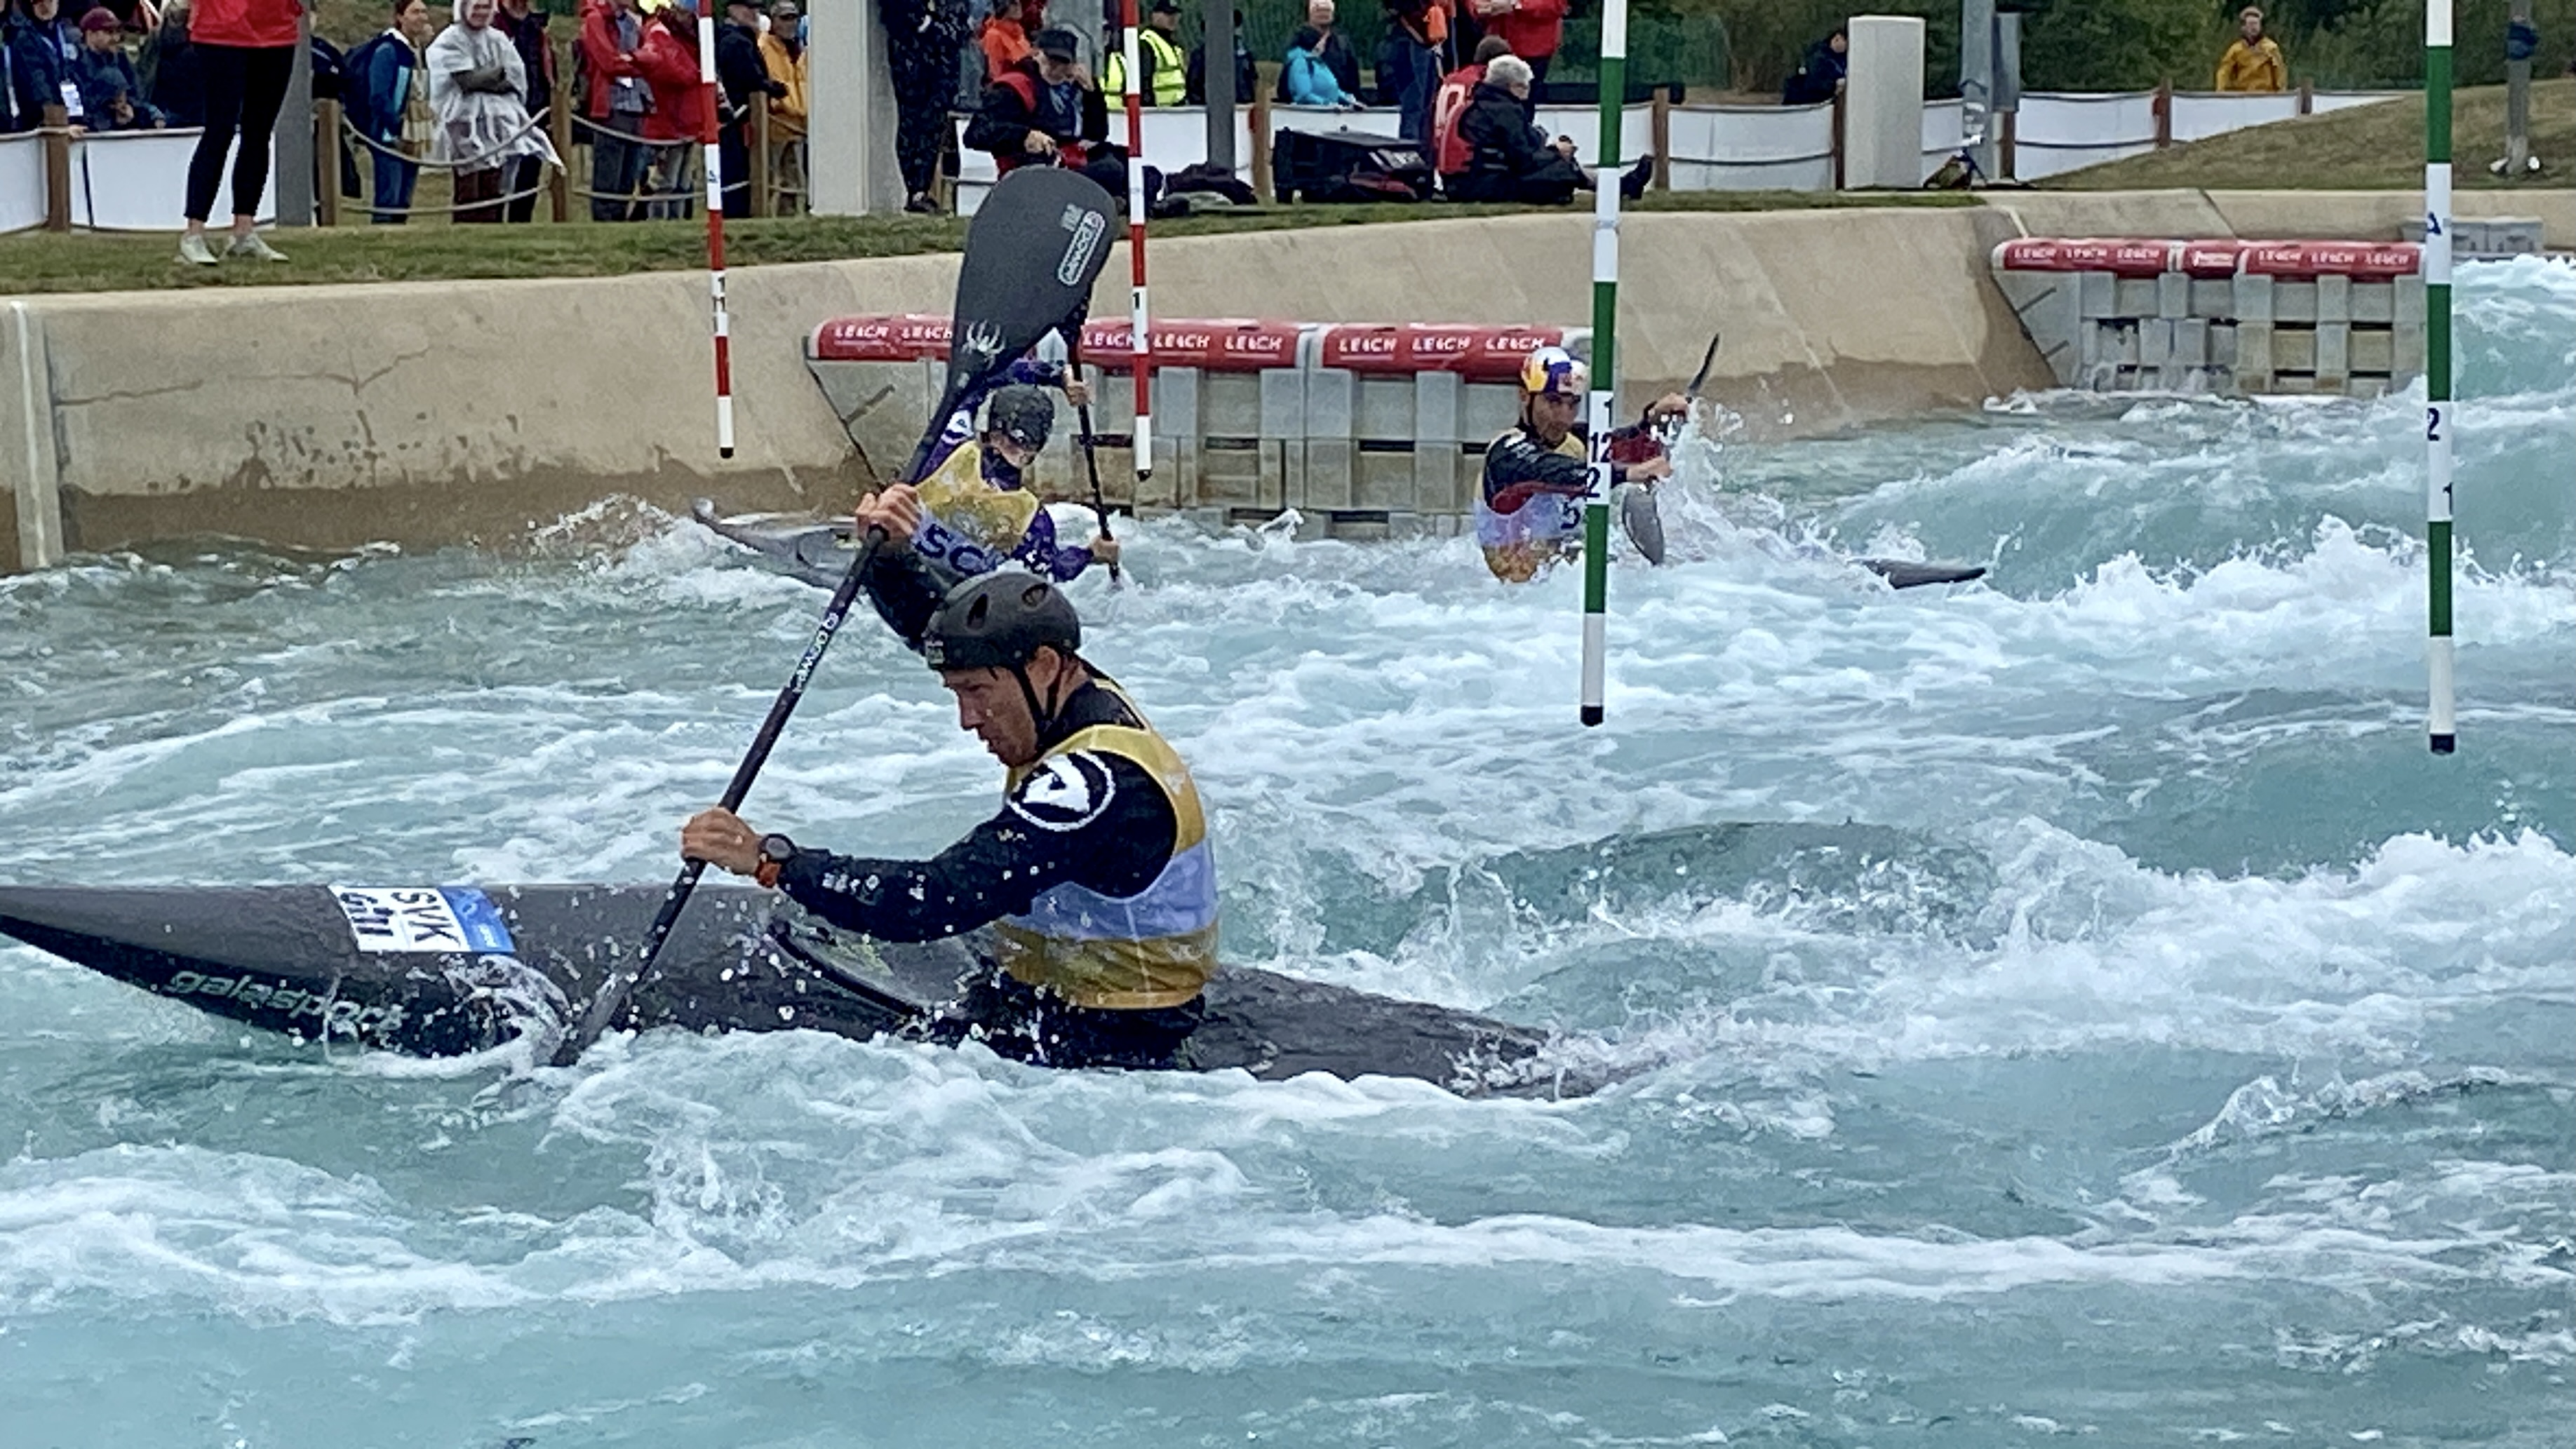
(1671, 407)
(897, 510)
(1651, 470)
(1077, 392)
(720, 838)
(1104, 550)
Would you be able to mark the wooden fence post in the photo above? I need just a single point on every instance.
(2164, 115)
(2307, 98)
(2007, 143)
(1663, 133)
(1261, 178)
(762, 204)
(559, 185)
(326, 162)
(58, 168)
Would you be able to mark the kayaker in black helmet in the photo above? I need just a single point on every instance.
(1097, 869)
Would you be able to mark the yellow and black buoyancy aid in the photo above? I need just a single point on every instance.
(1155, 948)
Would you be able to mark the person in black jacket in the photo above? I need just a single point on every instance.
(1510, 160)
(1820, 77)
(741, 75)
(1247, 77)
(168, 69)
(1046, 111)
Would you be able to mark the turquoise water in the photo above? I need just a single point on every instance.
(2078, 1006)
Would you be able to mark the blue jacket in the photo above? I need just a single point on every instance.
(105, 76)
(1310, 81)
(392, 71)
(39, 66)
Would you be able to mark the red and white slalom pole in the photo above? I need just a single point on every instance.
(708, 105)
(1138, 337)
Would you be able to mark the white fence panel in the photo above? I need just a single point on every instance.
(138, 181)
(1752, 148)
(2198, 115)
(1944, 132)
(1582, 124)
(2057, 132)
(2324, 101)
(22, 182)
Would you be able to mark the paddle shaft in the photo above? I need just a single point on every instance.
(611, 1001)
(1091, 463)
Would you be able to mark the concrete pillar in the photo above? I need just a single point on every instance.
(27, 457)
(1977, 82)
(1883, 132)
(850, 106)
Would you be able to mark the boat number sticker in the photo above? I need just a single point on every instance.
(423, 918)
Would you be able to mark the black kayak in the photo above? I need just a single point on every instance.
(451, 970)
(820, 553)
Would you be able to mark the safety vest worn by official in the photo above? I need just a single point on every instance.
(1170, 70)
(1546, 526)
(1153, 949)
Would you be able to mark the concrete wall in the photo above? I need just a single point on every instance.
(434, 412)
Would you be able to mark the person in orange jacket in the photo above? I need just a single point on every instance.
(2253, 63)
(668, 63)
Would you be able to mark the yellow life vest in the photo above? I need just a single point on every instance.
(1170, 70)
(1155, 948)
(956, 494)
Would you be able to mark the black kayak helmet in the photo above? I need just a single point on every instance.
(1000, 620)
(1023, 413)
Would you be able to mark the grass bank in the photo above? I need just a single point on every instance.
(81, 262)
(2366, 148)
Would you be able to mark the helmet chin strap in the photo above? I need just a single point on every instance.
(1041, 718)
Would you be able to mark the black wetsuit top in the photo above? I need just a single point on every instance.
(1117, 844)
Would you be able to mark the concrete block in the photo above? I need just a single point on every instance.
(1233, 477)
(2213, 297)
(2334, 300)
(2409, 347)
(2155, 342)
(29, 461)
(2254, 297)
(1230, 404)
(2366, 387)
(2173, 295)
(2222, 345)
(2373, 352)
(2294, 302)
(1382, 409)
(2334, 356)
(1382, 480)
(2253, 348)
(1329, 473)
(2131, 345)
(2373, 303)
(1489, 409)
(1283, 403)
(1883, 110)
(1282, 467)
(2410, 300)
(1436, 408)
(2293, 382)
(2294, 349)
(1435, 478)
(2191, 342)
(2098, 295)
(1331, 398)
(2133, 297)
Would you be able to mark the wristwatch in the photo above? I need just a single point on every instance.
(775, 852)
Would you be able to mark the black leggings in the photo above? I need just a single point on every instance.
(244, 86)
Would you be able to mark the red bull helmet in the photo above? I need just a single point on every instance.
(1554, 372)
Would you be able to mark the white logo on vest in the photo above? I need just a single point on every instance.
(1065, 792)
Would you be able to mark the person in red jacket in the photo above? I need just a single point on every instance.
(612, 33)
(245, 57)
(1532, 28)
(1451, 156)
(669, 64)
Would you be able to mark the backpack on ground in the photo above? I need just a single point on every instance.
(1348, 166)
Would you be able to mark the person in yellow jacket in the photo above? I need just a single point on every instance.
(1166, 69)
(782, 53)
(1096, 874)
(2254, 62)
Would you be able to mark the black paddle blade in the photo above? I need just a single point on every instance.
(1032, 252)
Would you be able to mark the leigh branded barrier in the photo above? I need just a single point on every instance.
(2220, 316)
(1366, 429)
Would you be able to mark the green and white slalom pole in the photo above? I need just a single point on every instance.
(1604, 401)
(2440, 725)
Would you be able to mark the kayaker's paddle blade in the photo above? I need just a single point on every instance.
(1903, 575)
(1643, 519)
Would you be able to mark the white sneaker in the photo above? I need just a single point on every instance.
(253, 247)
(193, 249)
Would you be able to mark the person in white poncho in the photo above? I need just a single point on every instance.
(478, 88)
